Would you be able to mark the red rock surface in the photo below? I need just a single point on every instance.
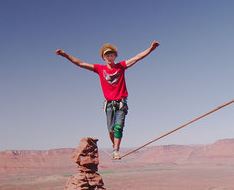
(32, 160)
(87, 160)
(177, 167)
(220, 152)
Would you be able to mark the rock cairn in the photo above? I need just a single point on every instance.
(86, 157)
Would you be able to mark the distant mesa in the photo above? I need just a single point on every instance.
(220, 152)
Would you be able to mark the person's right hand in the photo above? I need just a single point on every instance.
(60, 52)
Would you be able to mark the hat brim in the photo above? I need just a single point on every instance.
(108, 51)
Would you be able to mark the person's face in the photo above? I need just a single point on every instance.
(109, 57)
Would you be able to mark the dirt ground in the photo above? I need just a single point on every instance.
(149, 177)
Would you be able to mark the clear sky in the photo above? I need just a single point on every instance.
(47, 102)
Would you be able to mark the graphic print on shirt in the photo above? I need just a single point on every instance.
(111, 78)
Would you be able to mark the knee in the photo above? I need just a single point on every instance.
(118, 131)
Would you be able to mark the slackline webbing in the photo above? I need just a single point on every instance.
(180, 127)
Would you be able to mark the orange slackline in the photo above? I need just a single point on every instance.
(180, 127)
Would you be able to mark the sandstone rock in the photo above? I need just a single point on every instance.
(86, 157)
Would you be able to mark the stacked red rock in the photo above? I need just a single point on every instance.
(87, 178)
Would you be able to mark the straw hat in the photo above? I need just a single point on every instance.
(108, 48)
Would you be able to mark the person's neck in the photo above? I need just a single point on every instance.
(110, 65)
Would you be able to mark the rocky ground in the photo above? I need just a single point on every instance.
(203, 167)
(150, 177)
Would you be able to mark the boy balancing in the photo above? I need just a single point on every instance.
(113, 85)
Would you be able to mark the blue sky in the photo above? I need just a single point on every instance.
(46, 102)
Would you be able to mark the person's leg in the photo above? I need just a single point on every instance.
(110, 122)
(115, 124)
(118, 131)
(111, 135)
(117, 142)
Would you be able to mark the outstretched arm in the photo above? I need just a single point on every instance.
(75, 60)
(133, 60)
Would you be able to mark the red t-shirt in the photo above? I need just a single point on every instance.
(112, 80)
